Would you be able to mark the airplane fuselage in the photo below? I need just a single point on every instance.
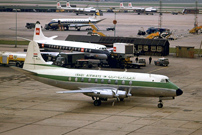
(141, 84)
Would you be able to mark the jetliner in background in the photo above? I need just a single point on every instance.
(91, 50)
(138, 9)
(97, 84)
(130, 7)
(87, 10)
(75, 23)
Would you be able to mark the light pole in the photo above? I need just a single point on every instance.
(16, 28)
(114, 22)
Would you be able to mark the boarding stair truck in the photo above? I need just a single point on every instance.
(17, 58)
(121, 56)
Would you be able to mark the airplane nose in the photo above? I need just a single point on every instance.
(179, 92)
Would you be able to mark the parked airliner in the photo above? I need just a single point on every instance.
(90, 49)
(77, 23)
(87, 10)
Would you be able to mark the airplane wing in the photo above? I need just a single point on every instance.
(76, 91)
(89, 90)
(78, 25)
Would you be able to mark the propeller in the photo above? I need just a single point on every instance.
(116, 95)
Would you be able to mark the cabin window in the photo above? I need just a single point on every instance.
(79, 49)
(90, 50)
(109, 81)
(116, 82)
(123, 82)
(96, 80)
(70, 78)
(130, 83)
(69, 48)
(89, 80)
(82, 79)
(102, 81)
(76, 79)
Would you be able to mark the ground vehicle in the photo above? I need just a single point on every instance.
(142, 61)
(74, 59)
(110, 28)
(30, 25)
(161, 62)
(154, 30)
(195, 29)
(121, 56)
(16, 58)
(174, 13)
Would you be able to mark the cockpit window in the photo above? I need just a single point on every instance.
(164, 80)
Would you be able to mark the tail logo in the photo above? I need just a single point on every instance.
(35, 54)
(67, 4)
(37, 31)
(114, 49)
(58, 4)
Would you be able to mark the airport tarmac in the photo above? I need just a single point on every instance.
(30, 107)
(128, 25)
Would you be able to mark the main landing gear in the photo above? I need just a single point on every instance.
(97, 102)
(160, 105)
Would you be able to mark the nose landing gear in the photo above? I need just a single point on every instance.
(160, 105)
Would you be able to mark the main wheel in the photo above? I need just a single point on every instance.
(160, 105)
(97, 102)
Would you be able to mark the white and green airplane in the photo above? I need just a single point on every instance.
(100, 85)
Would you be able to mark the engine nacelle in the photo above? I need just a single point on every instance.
(108, 94)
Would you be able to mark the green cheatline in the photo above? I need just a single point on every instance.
(12, 42)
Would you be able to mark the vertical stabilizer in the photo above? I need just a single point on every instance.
(121, 5)
(33, 58)
(38, 34)
(130, 5)
(58, 5)
(68, 4)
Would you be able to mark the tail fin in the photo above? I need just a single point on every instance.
(130, 5)
(58, 5)
(68, 4)
(38, 34)
(121, 5)
(33, 58)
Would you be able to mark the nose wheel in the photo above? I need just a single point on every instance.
(160, 105)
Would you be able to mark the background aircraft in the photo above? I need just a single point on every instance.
(138, 9)
(90, 49)
(100, 85)
(87, 10)
(75, 23)
(130, 7)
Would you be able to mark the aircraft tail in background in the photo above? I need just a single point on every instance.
(121, 5)
(58, 5)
